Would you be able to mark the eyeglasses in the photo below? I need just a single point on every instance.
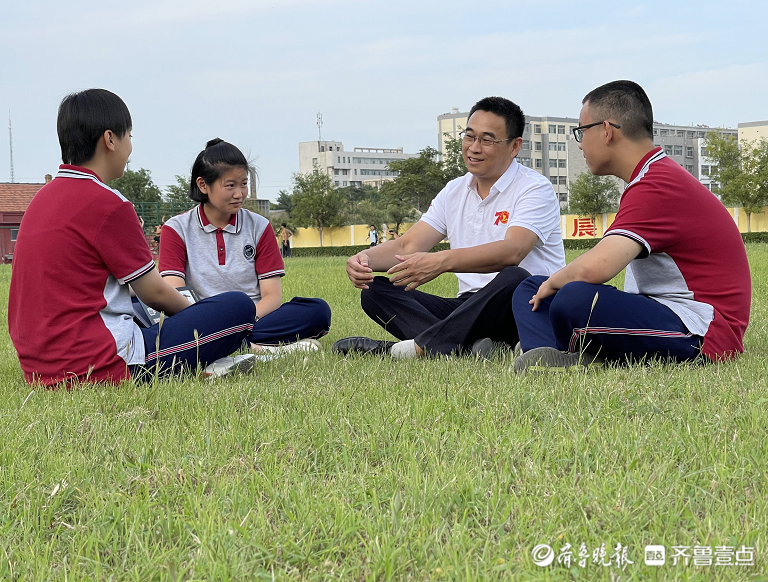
(578, 132)
(486, 142)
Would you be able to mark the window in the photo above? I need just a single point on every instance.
(538, 162)
(680, 133)
(335, 172)
(689, 168)
(690, 134)
(536, 128)
(678, 150)
(314, 161)
(561, 146)
(560, 163)
(663, 132)
(701, 134)
(14, 234)
(553, 179)
(655, 132)
(705, 170)
(537, 146)
(339, 160)
(668, 150)
(355, 172)
(552, 146)
(338, 149)
(688, 152)
(526, 144)
(561, 180)
(703, 152)
(345, 183)
(552, 129)
(322, 148)
(561, 129)
(345, 172)
(336, 183)
(552, 163)
(525, 161)
(563, 196)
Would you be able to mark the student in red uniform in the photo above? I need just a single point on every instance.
(220, 246)
(687, 288)
(80, 244)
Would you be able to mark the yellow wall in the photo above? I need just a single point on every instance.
(356, 234)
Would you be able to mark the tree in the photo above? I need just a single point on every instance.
(592, 195)
(419, 179)
(398, 206)
(284, 201)
(178, 193)
(453, 160)
(316, 201)
(137, 186)
(739, 173)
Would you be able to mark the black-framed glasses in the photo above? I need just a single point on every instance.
(578, 132)
(486, 142)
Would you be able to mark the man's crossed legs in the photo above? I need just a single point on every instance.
(441, 325)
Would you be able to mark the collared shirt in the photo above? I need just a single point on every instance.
(520, 197)
(69, 311)
(215, 260)
(693, 258)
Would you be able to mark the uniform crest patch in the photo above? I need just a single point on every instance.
(502, 217)
(249, 251)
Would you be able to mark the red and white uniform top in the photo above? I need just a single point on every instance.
(70, 314)
(693, 259)
(520, 197)
(215, 260)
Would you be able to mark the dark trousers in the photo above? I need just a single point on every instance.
(199, 335)
(442, 325)
(286, 248)
(300, 318)
(621, 326)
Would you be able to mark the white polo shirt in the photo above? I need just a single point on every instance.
(520, 197)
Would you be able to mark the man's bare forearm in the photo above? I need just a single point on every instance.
(382, 257)
(487, 258)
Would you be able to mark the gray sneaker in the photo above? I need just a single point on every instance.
(485, 348)
(553, 360)
(227, 366)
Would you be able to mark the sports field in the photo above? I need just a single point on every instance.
(324, 468)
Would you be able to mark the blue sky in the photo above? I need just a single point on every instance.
(257, 72)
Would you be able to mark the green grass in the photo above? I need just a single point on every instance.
(324, 468)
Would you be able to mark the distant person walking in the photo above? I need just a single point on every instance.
(393, 235)
(287, 234)
(373, 236)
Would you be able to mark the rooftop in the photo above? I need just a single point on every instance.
(16, 197)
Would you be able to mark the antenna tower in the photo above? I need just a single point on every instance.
(10, 137)
(319, 126)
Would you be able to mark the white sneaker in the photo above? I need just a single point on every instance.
(305, 345)
(225, 366)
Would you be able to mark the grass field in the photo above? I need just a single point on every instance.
(325, 468)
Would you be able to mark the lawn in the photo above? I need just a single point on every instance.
(325, 468)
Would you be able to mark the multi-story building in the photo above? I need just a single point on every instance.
(549, 147)
(753, 131)
(368, 166)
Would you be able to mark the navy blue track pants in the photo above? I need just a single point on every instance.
(621, 326)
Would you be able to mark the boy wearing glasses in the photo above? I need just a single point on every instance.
(503, 222)
(687, 288)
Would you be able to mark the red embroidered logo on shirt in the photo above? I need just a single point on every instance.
(501, 217)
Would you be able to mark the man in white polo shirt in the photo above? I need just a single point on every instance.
(503, 222)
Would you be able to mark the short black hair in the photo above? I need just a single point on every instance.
(84, 117)
(626, 103)
(511, 112)
(283, 224)
(217, 157)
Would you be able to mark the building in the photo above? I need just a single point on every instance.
(369, 166)
(753, 131)
(549, 147)
(14, 200)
